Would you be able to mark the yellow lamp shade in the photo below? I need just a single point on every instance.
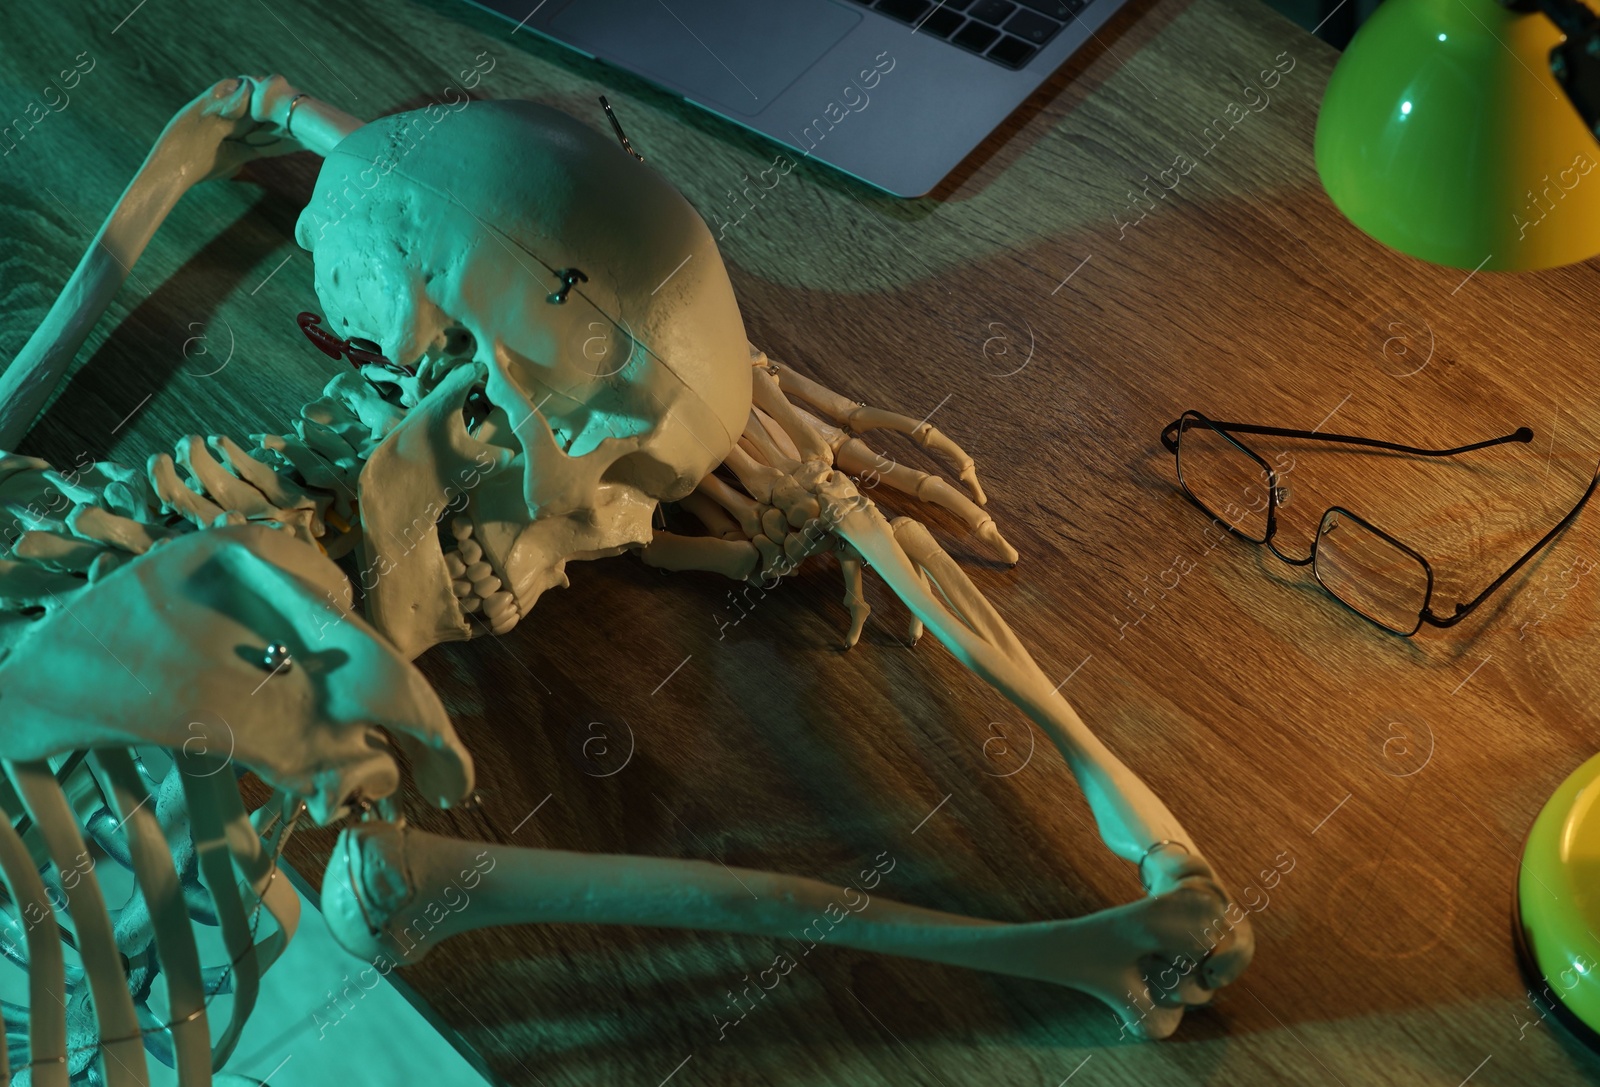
(1443, 134)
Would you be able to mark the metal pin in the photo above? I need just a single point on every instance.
(276, 658)
(568, 277)
(617, 127)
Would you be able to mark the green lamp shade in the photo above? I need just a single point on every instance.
(1558, 903)
(1443, 134)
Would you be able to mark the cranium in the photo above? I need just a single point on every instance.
(578, 354)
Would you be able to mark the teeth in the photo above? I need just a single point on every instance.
(474, 582)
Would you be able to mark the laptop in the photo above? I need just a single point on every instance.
(893, 92)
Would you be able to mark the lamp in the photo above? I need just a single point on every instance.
(1556, 910)
(1444, 134)
(1464, 132)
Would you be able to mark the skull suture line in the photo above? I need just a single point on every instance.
(578, 354)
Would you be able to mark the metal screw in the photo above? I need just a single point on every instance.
(568, 277)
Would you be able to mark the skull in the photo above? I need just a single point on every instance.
(571, 350)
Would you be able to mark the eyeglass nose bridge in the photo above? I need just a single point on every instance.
(1272, 545)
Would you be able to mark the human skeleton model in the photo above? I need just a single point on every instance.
(561, 352)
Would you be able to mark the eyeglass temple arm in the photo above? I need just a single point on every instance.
(1462, 610)
(1521, 434)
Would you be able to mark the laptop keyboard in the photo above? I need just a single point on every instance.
(1007, 32)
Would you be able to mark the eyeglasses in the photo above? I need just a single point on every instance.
(1360, 565)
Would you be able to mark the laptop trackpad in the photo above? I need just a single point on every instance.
(736, 54)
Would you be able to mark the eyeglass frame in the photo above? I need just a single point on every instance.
(1171, 436)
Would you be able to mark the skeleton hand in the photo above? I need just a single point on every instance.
(233, 122)
(784, 457)
(173, 648)
(1148, 961)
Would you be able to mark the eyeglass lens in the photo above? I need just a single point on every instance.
(1370, 573)
(1225, 479)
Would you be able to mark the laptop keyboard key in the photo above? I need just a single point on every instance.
(993, 12)
(975, 36)
(907, 11)
(1056, 9)
(1026, 24)
(1032, 27)
(1012, 52)
(941, 24)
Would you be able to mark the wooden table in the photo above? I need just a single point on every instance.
(1398, 776)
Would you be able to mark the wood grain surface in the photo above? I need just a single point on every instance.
(1399, 776)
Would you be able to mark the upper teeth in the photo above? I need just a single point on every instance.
(475, 583)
